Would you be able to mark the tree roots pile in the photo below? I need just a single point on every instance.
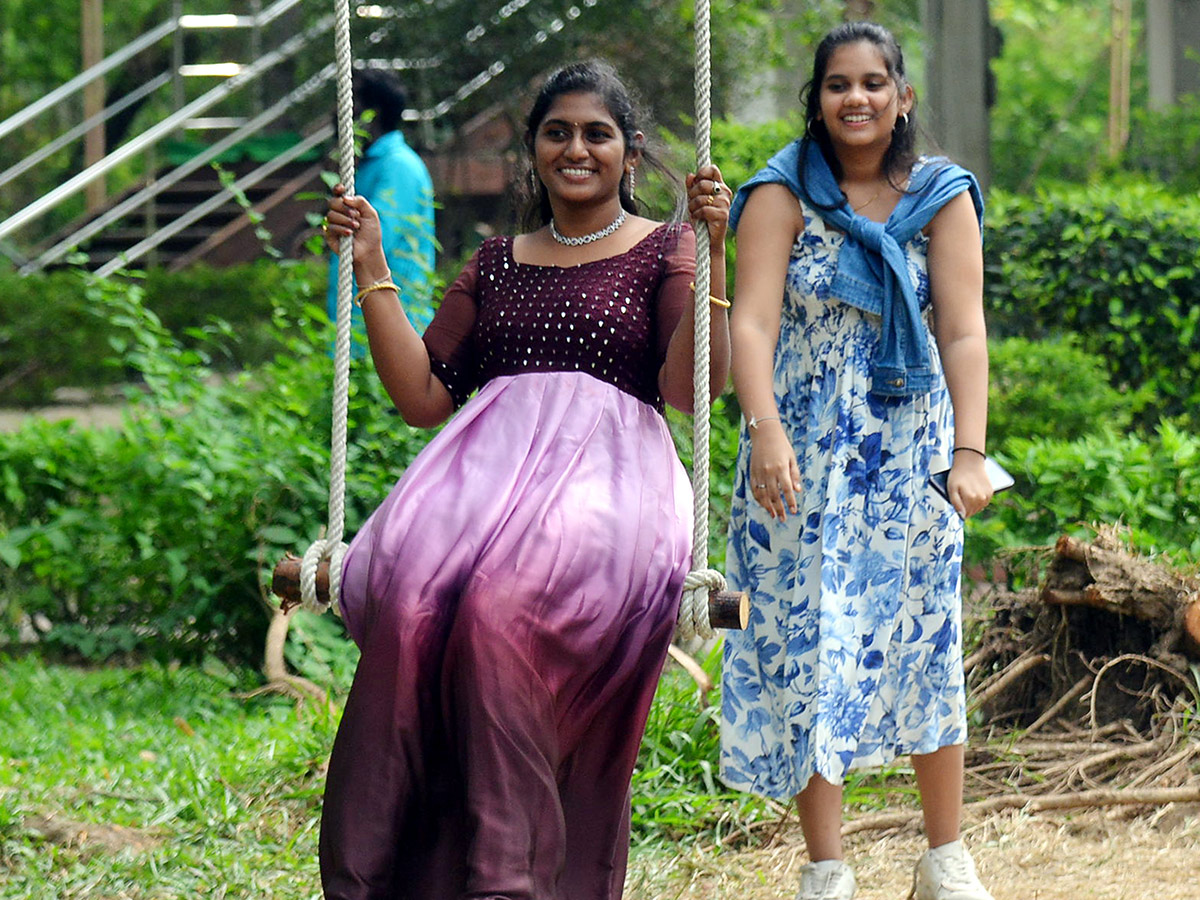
(1089, 681)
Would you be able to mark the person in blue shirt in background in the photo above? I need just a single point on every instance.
(394, 180)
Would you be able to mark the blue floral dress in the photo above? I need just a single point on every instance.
(853, 652)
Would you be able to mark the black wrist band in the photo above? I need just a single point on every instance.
(972, 449)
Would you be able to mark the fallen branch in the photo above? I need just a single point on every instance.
(1127, 657)
(1015, 670)
(1191, 627)
(279, 680)
(1060, 704)
(1091, 799)
(694, 669)
(1117, 581)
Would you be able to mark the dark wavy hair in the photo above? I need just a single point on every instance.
(597, 77)
(901, 153)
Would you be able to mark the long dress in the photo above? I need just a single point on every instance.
(852, 656)
(515, 593)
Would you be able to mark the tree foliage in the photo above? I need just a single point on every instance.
(1118, 266)
(1050, 119)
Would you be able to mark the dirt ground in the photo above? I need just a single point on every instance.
(87, 415)
(1090, 855)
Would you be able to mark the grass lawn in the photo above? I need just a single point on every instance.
(156, 782)
(170, 782)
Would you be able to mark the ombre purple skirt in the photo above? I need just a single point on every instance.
(513, 598)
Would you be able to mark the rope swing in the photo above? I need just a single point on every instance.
(705, 601)
(331, 546)
(701, 583)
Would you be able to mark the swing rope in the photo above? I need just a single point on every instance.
(331, 546)
(694, 617)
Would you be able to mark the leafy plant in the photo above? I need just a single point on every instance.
(676, 795)
(1151, 485)
(1118, 266)
(156, 537)
(1049, 120)
(1051, 389)
(49, 345)
(1165, 144)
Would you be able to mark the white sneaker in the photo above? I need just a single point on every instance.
(947, 873)
(829, 879)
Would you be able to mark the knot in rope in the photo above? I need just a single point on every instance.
(694, 620)
(321, 549)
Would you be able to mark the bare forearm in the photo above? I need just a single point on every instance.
(676, 377)
(966, 366)
(400, 357)
(753, 369)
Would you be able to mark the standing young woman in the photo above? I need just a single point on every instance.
(848, 243)
(515, 594)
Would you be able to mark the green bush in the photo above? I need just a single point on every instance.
(50, 336)
(677, 796)
(47, 339)
(158, 537)
(1165, 144)
(1119, 266)
(1051, 389)
(1151, 485)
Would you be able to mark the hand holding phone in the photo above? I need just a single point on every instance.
(998, 476)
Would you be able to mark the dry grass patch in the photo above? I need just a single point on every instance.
(1092, 855)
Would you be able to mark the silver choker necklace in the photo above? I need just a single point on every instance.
(588, 238)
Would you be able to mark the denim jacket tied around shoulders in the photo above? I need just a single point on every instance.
(872, 271)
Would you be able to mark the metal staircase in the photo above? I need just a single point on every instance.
(166, 205)
(171, 212)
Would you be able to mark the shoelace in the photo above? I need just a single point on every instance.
(956, 872)
(823, 890)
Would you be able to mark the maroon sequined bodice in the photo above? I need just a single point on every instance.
(601, 317)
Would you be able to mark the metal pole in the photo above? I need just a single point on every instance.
(177, 97)
(257, 96)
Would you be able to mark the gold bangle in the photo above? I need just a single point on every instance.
(372, 288)
(720, 301)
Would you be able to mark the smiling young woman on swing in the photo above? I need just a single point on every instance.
(515, 594)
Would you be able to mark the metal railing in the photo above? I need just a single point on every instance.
(162, 129)
(183, 117)
(188, 115)
(180, 172)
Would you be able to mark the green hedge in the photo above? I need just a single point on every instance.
(51, 337)
(158, 537)
(1150, 485)
(1051, 389)
(1116, 265)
